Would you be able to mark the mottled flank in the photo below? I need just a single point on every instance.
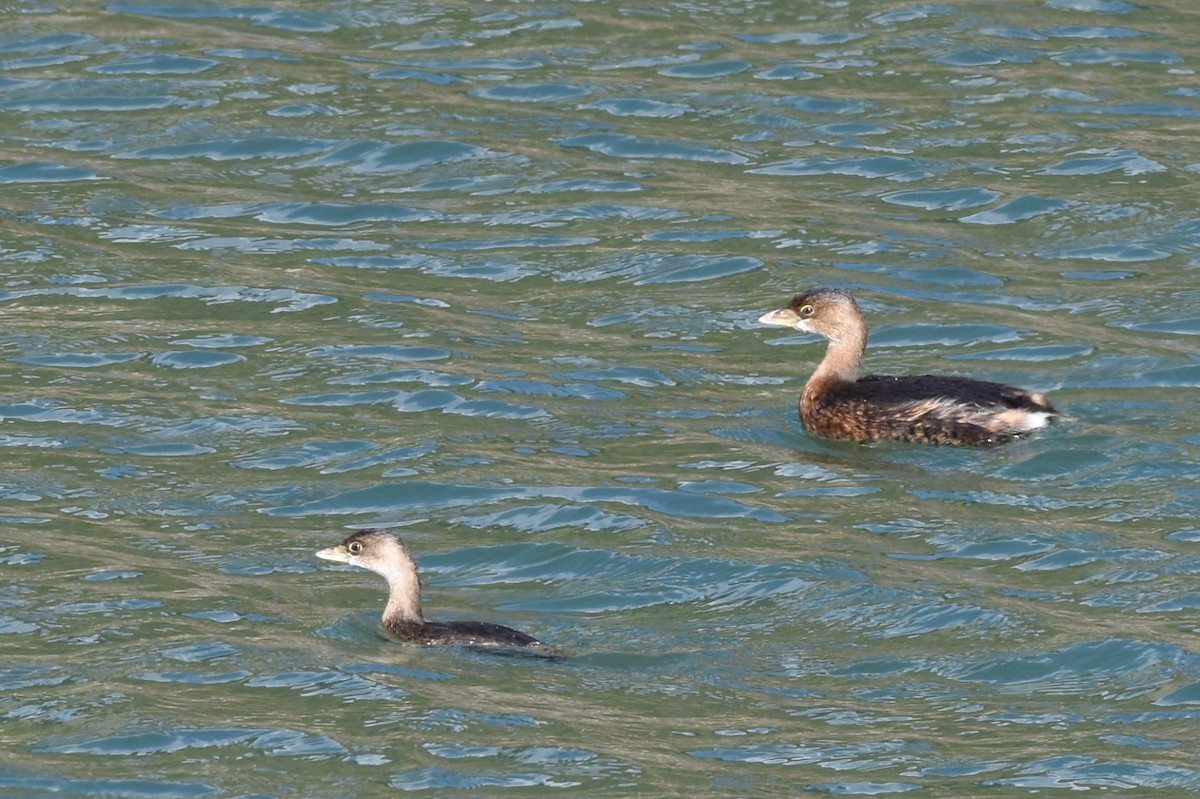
(386, 555)
(929, 408)
(838, 403)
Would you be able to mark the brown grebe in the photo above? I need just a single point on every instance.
(387, 556)
(839, 403)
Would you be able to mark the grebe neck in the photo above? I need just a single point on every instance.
(843, 358)
(404, 592)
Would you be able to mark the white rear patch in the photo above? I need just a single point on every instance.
(1012, 420)
(1024, 420)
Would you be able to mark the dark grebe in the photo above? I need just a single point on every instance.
(838, 403)
(386, 555)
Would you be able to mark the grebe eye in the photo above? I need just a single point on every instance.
(807, 310)
(355, 547)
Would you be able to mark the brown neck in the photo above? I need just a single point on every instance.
(843, 358)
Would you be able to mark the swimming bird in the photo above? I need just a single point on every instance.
(388, 556)
(839, 403)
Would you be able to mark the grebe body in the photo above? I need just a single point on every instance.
(388, 556)
(838, 402)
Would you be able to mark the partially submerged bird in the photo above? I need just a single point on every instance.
(386, 555)
(839, 403)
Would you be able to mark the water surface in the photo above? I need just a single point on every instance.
(488, 274)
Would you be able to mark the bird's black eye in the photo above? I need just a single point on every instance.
(807, 310)
(355, 547)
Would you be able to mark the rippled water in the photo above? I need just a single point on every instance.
(489, 273)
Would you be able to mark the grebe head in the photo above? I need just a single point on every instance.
(832, 313)
(382, 553)
(387, 556)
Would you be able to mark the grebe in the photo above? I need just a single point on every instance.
(838, 403)
(387, 556)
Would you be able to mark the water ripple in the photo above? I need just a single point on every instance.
(272, 743)
(395, 497)
(285, 299)
(44, 172)
(133, 788)
(627, 146)
(882, 166)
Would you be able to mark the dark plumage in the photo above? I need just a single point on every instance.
(386, 555)
(838, 403)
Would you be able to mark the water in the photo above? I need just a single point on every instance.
(489, 273)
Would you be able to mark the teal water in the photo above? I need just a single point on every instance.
(489, 274)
